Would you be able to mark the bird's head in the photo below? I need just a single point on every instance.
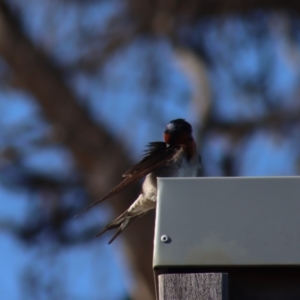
(178, 132)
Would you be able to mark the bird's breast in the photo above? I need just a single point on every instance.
(182, 167)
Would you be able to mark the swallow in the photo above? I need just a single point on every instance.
(177, 156)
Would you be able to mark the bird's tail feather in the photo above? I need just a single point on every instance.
(123, 221)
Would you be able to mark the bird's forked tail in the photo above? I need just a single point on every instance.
(123, 221)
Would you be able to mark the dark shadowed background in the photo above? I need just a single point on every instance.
(85, 85)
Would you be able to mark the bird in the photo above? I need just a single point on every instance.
(176, 156)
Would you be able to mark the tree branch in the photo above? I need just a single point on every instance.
(99, 156)
(239, 129)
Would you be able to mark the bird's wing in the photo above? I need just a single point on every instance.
(156, 155)
(157, 152)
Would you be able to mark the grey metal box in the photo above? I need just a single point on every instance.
(237, 221)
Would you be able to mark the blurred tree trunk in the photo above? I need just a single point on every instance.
(99, 156)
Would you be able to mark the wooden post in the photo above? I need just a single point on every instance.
(196, 286)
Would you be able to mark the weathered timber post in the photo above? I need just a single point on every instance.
(199, 286)
(248, 228)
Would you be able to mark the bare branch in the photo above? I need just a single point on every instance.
(99, 156)
(239, 129)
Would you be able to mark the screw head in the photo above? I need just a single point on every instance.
(164, 238)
